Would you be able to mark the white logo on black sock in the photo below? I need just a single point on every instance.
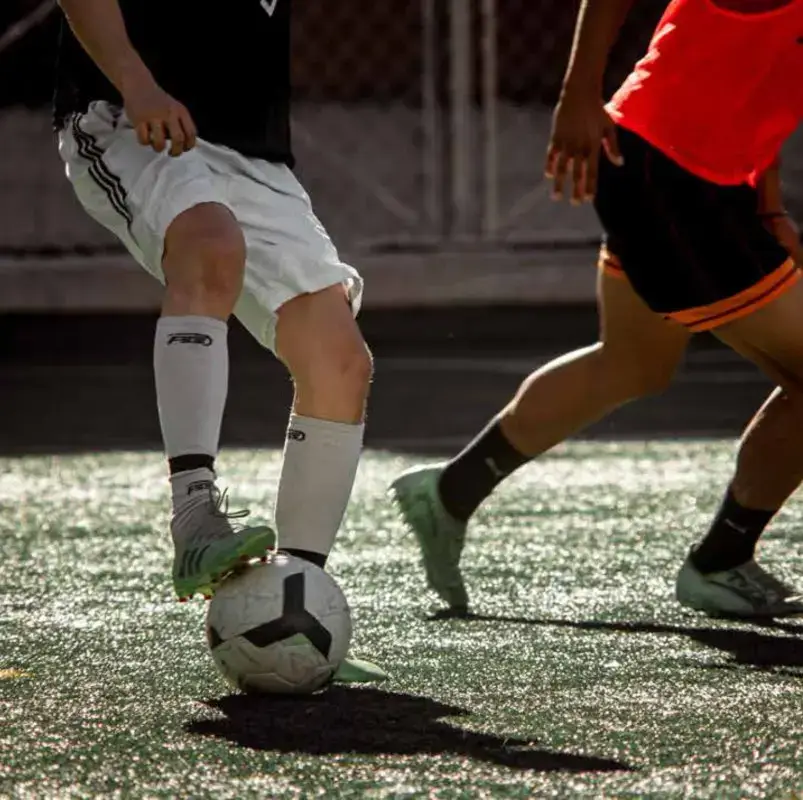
(491, 464)
(737, 528)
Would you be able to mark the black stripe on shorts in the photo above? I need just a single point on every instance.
(100, 173)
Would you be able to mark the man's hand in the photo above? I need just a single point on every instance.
(100, 27)
(784, 229)
(157, 117)
(580, 126)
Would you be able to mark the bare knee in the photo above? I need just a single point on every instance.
(204, 262)
(331, 365)
(346, 368)
(335, 381)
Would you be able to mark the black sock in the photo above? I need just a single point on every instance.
(188, 462)
(476, 471)
(732, 538)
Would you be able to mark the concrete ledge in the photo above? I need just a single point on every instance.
(116, 284)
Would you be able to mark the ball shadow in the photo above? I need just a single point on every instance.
(372, 721)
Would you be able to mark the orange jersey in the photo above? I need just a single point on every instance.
(718, 90)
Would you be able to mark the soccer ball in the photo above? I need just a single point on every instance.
(280, 627)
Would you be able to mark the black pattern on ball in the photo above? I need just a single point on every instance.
(295, 619)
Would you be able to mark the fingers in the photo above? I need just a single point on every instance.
(551, 155)
(190, 131)
(560, 167)
(176, 126)
(610, 142)
(564, 162)
(582, 166)
(592, 170)
(158, 138)
(143, 130)
(558, 162)
(579, 179)
(151, 134)
(574, 149)
(175, 131)
(183, 135)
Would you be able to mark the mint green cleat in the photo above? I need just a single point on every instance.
(440, 536)
(209, 547)
(354, 670)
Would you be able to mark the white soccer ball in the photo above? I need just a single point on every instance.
(281, 627)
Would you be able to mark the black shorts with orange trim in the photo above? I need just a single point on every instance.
(693, 250)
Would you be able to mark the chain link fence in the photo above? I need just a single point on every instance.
(366, 119)
(520, 76)
(418, 123)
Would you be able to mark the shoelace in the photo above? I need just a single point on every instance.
(220, 507)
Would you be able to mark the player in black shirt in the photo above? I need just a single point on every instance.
(228, 66)
(173, 122)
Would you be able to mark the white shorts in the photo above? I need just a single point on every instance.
(136, 193)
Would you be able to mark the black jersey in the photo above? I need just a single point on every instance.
(227, 62)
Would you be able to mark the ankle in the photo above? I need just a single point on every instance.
(191, 486)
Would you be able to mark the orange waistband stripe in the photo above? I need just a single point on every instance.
(704, 318)
(610, 264)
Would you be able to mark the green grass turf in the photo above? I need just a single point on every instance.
(585, 678)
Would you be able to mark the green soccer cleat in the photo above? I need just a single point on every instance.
(440, 536)
(746, 592)
(354, 670)
(209, 547)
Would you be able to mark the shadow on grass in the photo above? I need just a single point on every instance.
(371, 721)
(747, 647)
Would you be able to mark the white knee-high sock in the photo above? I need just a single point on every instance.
(191, 370)
(318, 471)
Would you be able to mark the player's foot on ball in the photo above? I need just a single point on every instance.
(747, 591)
(355, 670)
(208, 546)
(440, 536)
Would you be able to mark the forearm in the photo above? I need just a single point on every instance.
(768, 188)
(598, 24)
(100, 27)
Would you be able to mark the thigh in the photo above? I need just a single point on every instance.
(772, 337)
(131, 190)
(289, 253)
(632, 334)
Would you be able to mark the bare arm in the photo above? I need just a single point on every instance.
(598, 24)
(156, 116)
(771, 210)
(580, 123)
(768, 188)
(99, 26)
